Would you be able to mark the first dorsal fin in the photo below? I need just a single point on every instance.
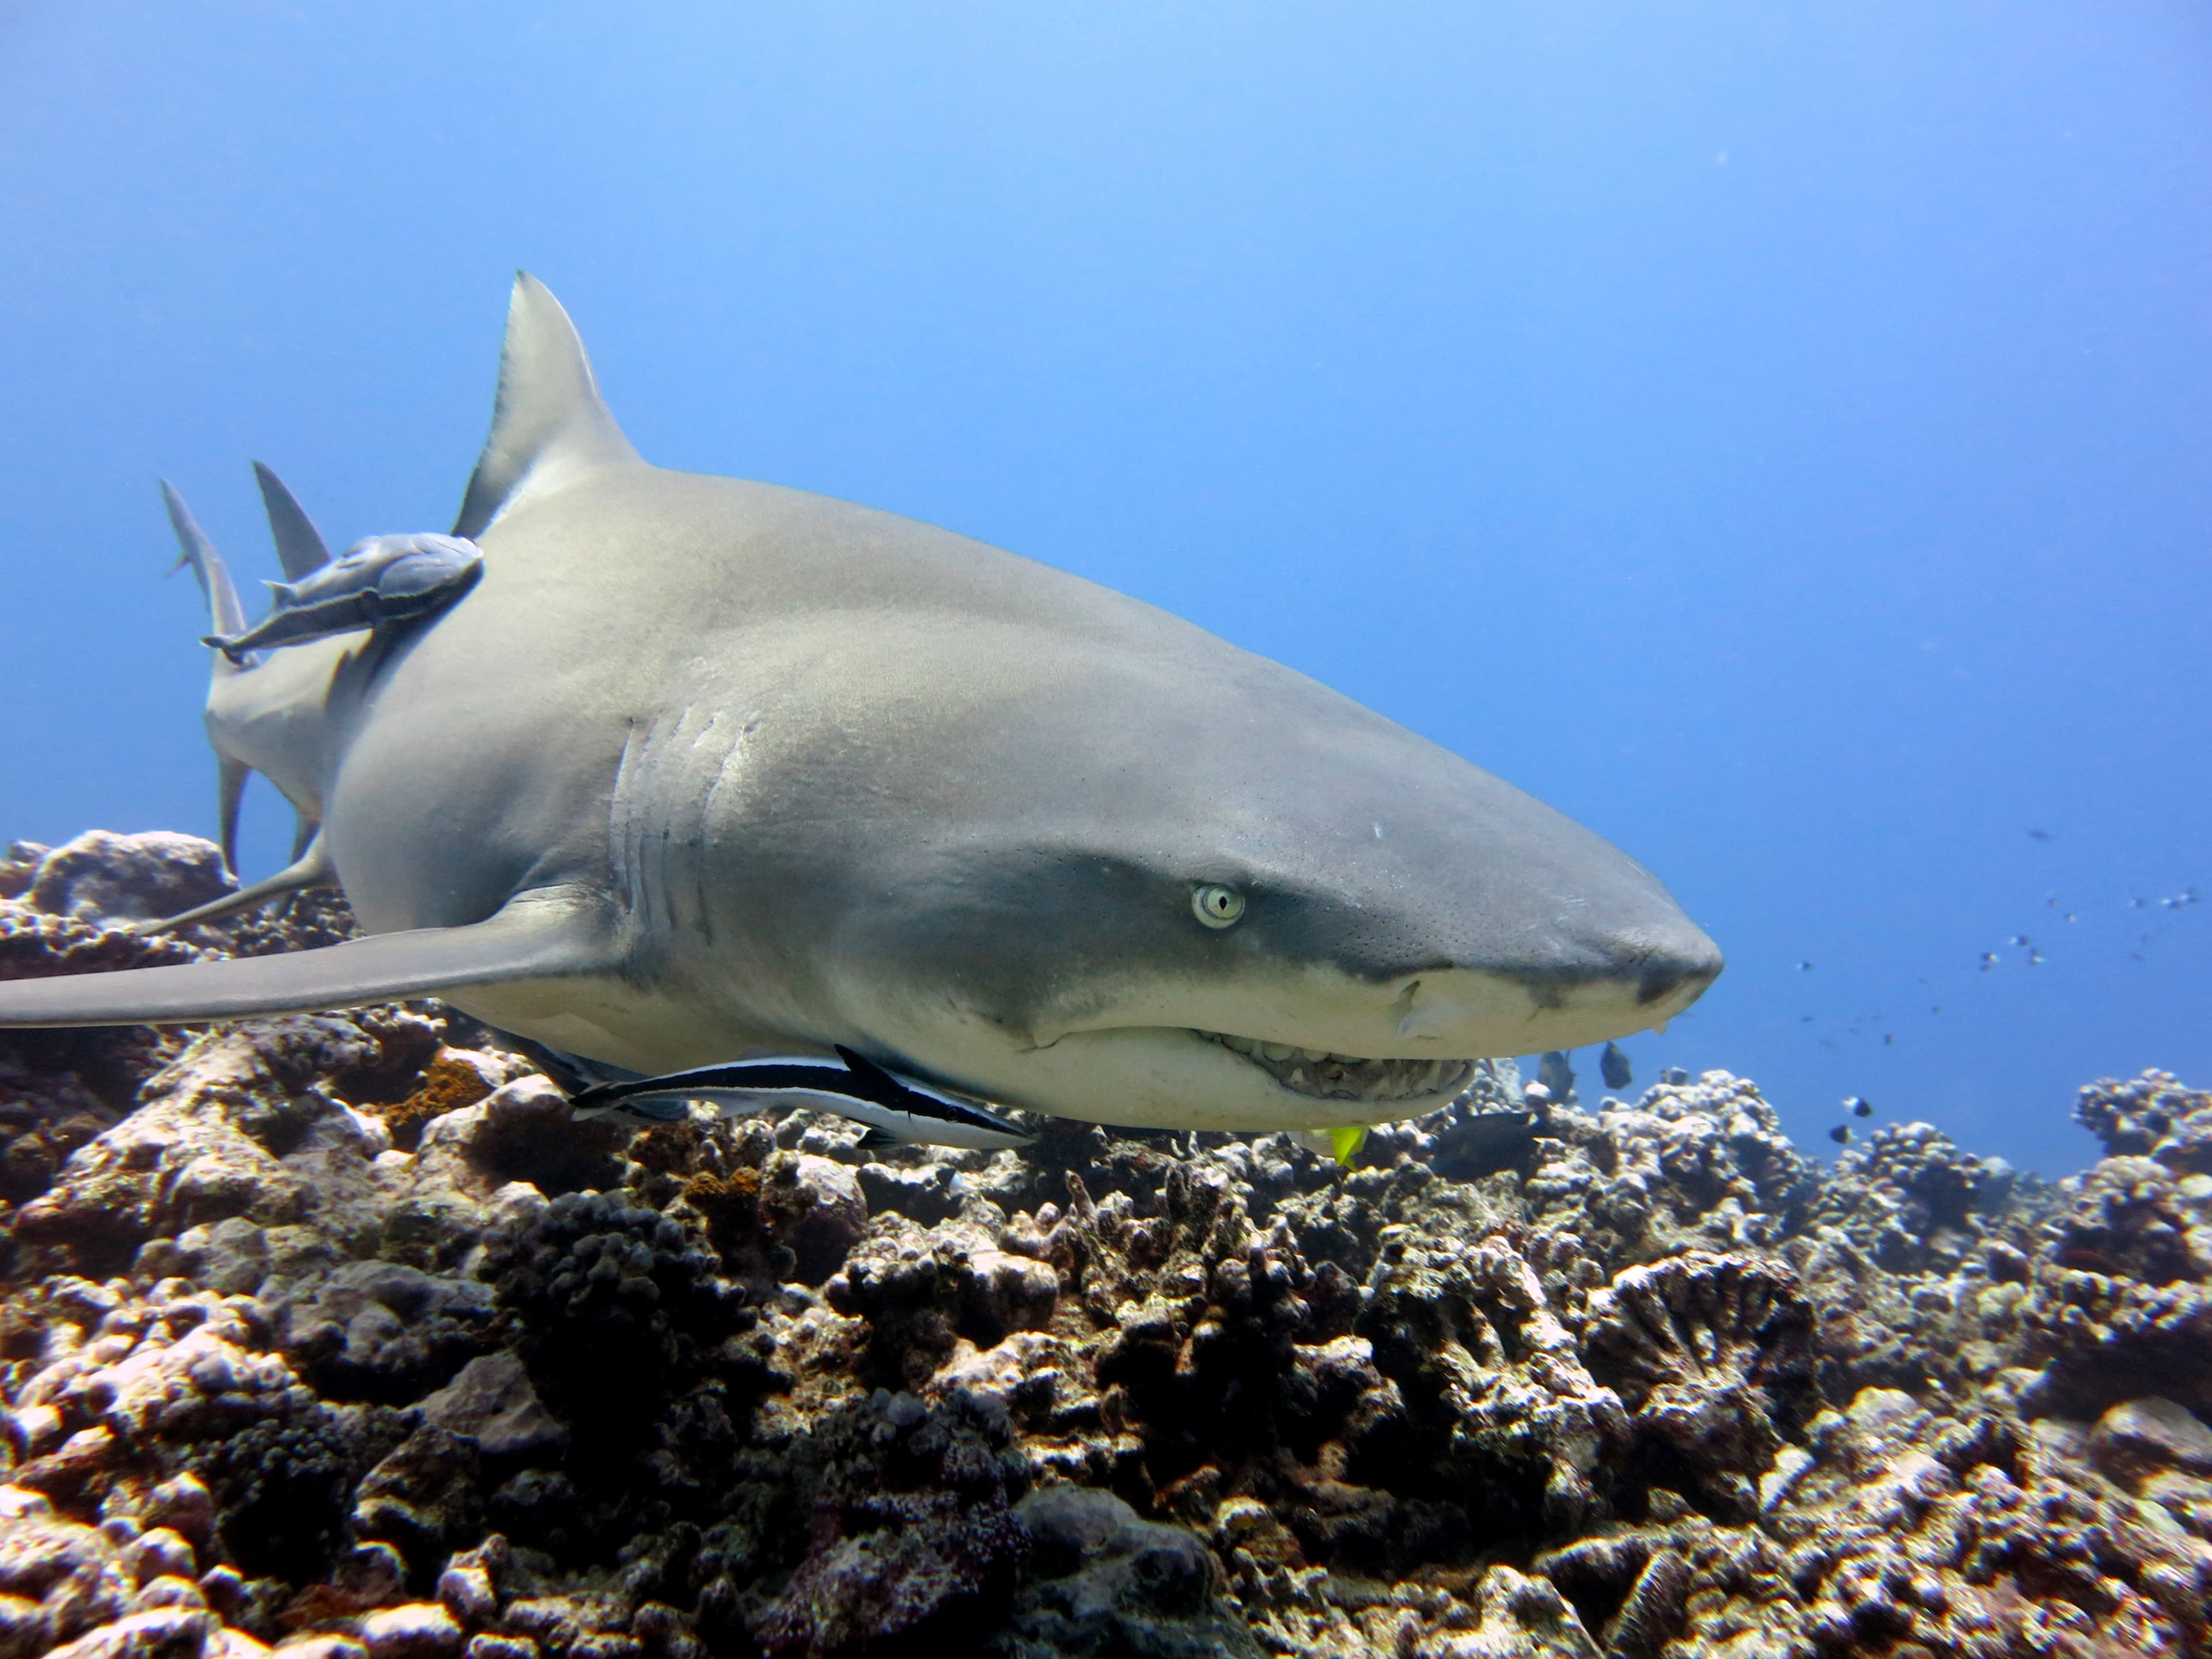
(549, 426)
(300, 547)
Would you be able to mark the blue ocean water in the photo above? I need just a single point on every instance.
(1778, 437)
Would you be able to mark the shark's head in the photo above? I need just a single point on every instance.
(1195, 889)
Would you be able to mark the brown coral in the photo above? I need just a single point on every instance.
(1709, 1353)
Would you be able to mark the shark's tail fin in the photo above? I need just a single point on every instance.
(227, 614)
(228, 617)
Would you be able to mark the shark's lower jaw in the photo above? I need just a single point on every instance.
(1346, 1077)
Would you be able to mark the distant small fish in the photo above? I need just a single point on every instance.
(1674, 1075)
(1841, 1134)
(1889, 1039)
(1612, 1065)
(2020, 939)
(2137, 904)
(1555, 1074)
(1859, 1106)
(1804, 967)
(2070, 915)
(2035, 958)
(1989, 960)
(383, 580)
(2041, 834)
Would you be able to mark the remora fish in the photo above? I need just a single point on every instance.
(895, 1108)
(377, 583)
(705, 768)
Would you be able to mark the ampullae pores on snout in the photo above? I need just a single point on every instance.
(382, 580)
(705, 770)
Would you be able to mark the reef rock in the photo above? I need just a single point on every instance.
(334, 1336)
(101, 877)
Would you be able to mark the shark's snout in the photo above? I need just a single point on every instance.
(1651, 968)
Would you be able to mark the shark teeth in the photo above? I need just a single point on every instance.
(1348, 1077)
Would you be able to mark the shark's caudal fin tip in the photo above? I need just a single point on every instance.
(224, 610)
(549, 425)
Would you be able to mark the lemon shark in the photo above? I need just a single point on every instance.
(701, 769)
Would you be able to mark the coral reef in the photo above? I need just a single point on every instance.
(333, 1335)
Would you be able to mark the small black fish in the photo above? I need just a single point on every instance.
(1674, 1075)
(383, 580)
(1859, 1106)
(1841, 1134)
(2021, 939)
(1804, 967)
(2041, 834)
(1612, 1065)
(1555, 1074)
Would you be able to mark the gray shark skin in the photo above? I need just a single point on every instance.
(380, 582)
(702, 769)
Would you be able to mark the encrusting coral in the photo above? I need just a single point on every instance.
(333, 1333)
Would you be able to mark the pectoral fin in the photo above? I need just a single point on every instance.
(547, 933)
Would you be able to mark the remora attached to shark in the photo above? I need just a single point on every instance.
(701, 768)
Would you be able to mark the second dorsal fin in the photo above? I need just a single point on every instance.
(549, 426)
(300, 546)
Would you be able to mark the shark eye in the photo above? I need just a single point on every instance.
(1215, 905)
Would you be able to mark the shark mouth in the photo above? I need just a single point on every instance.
(1347, 1077)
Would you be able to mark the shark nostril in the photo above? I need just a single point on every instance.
(1666, 971)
